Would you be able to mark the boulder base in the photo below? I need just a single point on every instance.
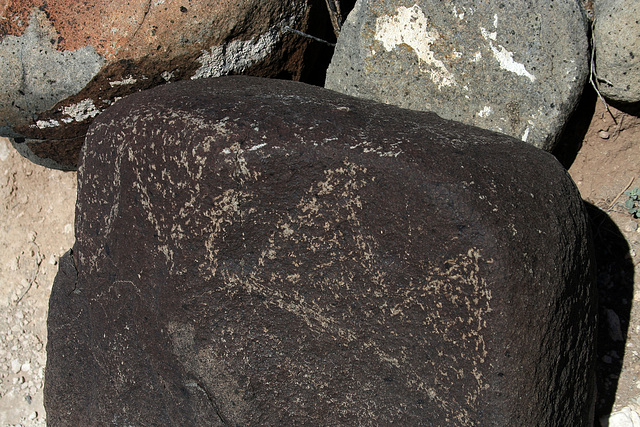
(260, 252)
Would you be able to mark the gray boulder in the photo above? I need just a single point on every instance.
(516, 67)
(262, 252)
(64, 62)
(616, 37)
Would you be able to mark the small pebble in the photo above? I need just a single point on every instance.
(604, 134)
(32, 236)
(15, 366)
(19, 314)
(53, 259)
(26, 367)
(33, 415)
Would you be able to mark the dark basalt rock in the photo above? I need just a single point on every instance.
(261, 252)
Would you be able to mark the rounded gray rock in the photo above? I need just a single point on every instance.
(616, 37)
(514, 67)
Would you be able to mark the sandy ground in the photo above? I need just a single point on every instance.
(36, 217)
(37, 212)
(608, 164)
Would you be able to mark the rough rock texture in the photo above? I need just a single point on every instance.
(616, 37)
(263, 252)
(63, 62)
(517, 67)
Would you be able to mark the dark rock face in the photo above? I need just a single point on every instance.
(260, 252)
(64, 62)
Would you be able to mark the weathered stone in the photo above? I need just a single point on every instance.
(63, 62)
(616, 37)
(263, 252)
(517, 67)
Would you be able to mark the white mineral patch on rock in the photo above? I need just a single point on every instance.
(81, 111)
(409, 27)
(458, 14)
(485, 111)
(504, 57)
(42, 124)
(236, 56)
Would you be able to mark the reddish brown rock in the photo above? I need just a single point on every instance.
(64, 62)
(262, 252)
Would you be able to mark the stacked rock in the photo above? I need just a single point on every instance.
(516, 67)
(616, 38)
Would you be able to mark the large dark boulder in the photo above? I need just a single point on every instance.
(261, 252)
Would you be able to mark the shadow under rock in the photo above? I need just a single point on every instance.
(627, 108)
(615, 294)
(570, 140)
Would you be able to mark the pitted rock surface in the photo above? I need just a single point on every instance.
(262, 252)
(63, 62)
(616, 36)
(516, 67)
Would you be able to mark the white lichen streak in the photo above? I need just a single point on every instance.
(257, 147)
(367, 148)
(127, 81)
(502, 55)
(410, 27)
